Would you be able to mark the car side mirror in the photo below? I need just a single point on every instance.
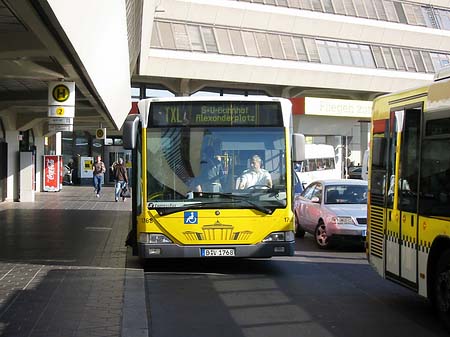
(315, 200)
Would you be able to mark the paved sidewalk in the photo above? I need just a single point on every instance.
(63, 267)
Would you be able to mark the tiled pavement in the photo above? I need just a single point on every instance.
(63, 267)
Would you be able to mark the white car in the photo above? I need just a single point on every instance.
(332, 210)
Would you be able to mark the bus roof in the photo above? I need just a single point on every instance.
(382, 105)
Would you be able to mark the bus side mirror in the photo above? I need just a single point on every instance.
(298, 147)
(130, 132)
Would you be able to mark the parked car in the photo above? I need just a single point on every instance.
(332, 210)
(355, 172)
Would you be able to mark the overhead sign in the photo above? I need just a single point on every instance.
(61, 104)
(60, 128)
(61, 93)
(63, 120)
(100, 133)
(61, 111)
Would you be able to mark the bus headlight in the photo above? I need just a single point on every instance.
(279, 236)
(153, 238)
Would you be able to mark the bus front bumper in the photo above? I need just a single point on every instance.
(261, 250)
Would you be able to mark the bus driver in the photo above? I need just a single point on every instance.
(255, 176)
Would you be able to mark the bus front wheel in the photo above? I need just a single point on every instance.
(442, 288)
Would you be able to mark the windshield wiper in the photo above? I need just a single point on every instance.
(196, 205)
(257, 206)
(242, 198)
(171, 210)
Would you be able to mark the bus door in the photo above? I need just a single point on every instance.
(404, 187)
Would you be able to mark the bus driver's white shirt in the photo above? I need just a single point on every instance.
(252, 178)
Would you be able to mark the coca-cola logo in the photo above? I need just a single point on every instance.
(50, 169)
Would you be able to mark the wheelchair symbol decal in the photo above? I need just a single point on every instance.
(191, 218)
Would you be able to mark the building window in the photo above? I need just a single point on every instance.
(301, 50)
(275, 46)
(263, 45)
(250, 44)
(166, 35)
(195, 38)
(312, 50)
(223, 41)
(288, 47)
(398, 57)
(155, 40)
(210, 40)
(371, 12)
(428, 62)
(390, 11)
(237, 43)
(388, 58)
(440, 61)
(381, 13)
(377, 54)
(350, 7)
(410, 66)
(181, 36)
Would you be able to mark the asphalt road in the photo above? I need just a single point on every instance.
(316, 293)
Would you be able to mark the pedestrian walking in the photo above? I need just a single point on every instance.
(99, 171)
(120, 178)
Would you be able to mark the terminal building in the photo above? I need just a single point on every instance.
(330, 57)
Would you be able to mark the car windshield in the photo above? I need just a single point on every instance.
(203, 167)
(346, 194)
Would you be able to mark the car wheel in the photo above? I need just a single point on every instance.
(322, 239)
(441, 288)
(299, 231)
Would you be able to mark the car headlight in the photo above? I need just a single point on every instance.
(279, 236)
(153, 238)
(343, 220)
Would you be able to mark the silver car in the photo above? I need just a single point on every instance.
(332, 210)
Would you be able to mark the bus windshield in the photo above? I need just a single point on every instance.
(211, 167)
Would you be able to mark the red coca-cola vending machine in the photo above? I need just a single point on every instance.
(53, 166)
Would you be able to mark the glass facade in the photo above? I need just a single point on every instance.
(405, 12)
(263, 44)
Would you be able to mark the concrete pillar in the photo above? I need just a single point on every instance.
(58, 143)
(40, 147)
(364, 144)
(12, 181)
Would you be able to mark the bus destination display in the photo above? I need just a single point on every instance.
(215, 113)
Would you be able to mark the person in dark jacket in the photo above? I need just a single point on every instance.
(120, 178)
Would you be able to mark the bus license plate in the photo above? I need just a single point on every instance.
(217, 252)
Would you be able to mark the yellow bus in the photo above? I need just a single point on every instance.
(213, 177)
(409, 191)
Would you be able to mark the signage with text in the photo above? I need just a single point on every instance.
(337, 107)
(60, 128)
(215, 114)
(61, 120)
